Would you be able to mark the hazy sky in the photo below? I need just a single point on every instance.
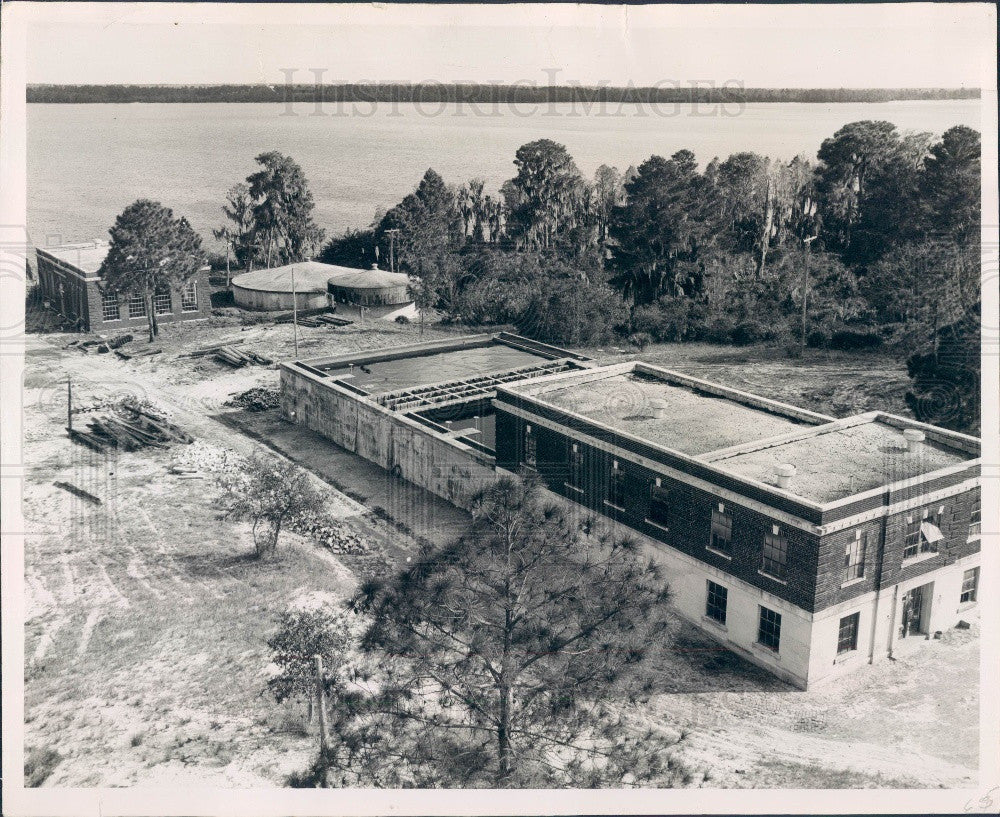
(926, 45)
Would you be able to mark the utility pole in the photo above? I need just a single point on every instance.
(805, 288)
(295, 316)
(392, 233)
(321, 704)
(69, 404)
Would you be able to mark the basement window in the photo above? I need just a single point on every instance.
(854, 557)
(769, 629)
(970, 586)
(110, 310)
(847, 634)
(716, 602)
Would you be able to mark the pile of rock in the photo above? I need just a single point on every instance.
(200, 458)
(256, 399)
(331, 534)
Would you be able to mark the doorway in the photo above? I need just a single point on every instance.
(916, 611)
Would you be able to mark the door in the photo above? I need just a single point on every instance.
(916, 610)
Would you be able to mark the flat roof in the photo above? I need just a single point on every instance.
(748, 436)
(693, 422)
(840, 461)
(86, 256)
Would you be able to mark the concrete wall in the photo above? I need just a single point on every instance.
(394, 442)
(262, 301)
(881, 622)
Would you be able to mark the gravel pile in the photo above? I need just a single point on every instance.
(330, 533)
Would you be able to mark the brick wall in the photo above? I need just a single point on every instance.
(956, 545)
(689, 524)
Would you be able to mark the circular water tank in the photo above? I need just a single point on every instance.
(370, 287)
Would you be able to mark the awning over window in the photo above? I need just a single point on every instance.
(931, 532)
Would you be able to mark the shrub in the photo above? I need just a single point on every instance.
(848, 340)
(640, 340)
(39, 765)
(401, 319)
(818, 339)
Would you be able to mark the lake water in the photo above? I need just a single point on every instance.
(86, 163)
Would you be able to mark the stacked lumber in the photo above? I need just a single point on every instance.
(131, 430)
(137, 353)
(237, 357)
(313, 318)
(208, 350)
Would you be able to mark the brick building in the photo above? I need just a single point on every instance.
(807, 544)
(69, 280)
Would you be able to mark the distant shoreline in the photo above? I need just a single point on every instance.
(473, 94)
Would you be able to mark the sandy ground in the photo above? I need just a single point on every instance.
(145, 620)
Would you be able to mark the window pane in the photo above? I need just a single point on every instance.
(110, 310)
(659, 504)
(847, 636)
(775, 553)
(162, 304)
(722, 530)
(769, 630)
(189, 296)
(970, 585)
(136, 306)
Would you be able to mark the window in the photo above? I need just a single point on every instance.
(530, 448)
(659, 503)
(775, 553)
(110, 311)
(854, 557)
(722, 529)
(847, 635)
(162, 304)
(189, 296)
(575, 466)
(769, 629)
(136, 306)
(922, 534)
(970, 586)
(715, 605)
(616, 485)
(975, 519)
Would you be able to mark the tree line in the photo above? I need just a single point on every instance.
(873, 244)
(478, 93)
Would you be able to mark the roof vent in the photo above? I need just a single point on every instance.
(913, 437)
(657, 408)
(374, 266)
(783, 472)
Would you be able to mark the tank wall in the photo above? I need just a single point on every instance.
(261, 300)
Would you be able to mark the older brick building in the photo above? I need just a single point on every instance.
(69, 280)
(808, 544)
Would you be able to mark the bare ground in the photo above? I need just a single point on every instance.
(146, 620)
